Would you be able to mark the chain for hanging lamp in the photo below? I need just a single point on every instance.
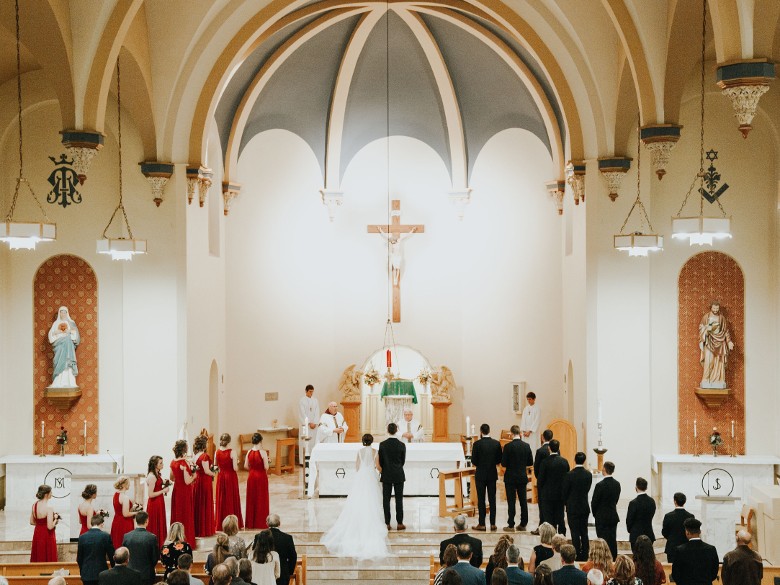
(123, 247)
(638, 243)
(24, 234)
(702, 229)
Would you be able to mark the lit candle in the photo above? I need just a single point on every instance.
(42, 426)
(694, 428)
(468, 426)
(732, 429)
(85, 429)
(599, 411)
(473, 431)
(389, 359)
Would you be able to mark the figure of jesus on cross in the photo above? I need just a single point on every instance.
(394, 234)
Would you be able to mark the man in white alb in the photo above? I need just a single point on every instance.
(332, 428)
(308, 414)
(409, 428)
(529, 422)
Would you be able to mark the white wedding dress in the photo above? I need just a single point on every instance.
(360, 530)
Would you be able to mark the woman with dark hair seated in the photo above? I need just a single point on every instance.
(450, 557)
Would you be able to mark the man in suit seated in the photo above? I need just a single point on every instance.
(515, 575)
(604, 506)
(568, 574)
(94, 550)
(144, 549)
(232, 564)
(576, 487)
(469, 574)
(475, 545)
(284, 545)
(695, 562)
(673, 529)
(639, 518)
(179, 577)
(120, 573)
(551, 473)
(221, 575)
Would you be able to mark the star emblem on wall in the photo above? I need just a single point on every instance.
(711, 177)
(712, 155)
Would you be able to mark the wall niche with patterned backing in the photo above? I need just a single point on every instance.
(708, 277)
(67, 281)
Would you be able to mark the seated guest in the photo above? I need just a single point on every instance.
(94, 550)
(232, 564)
(514, 568)
(461, 537)
(120, 573)
(554, 562)
(543, 576)
(499, 577)
(599, 557)
(245, 571)
(178, 577)
(237, 544)
(544, 549)
(568, 574)
(143, 547)
(217, 556)
(646, 566)
(221, 575)
(451, 577)
(175, 546)
(595, 577)
(469, 574)
(266, 567)
(498, 558)
(624, 572)
(450, 558)
(185, 564)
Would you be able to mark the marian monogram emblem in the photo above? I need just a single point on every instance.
(63, 180)
(711, 179)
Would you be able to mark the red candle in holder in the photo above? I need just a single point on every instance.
(389, 360)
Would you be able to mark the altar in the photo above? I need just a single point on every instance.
(332, 467)
(711, 476)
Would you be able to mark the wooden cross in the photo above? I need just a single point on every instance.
(394, 234)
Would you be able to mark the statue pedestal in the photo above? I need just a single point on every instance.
(352, 418)
(441, 423)
(713, 397)
(62, 398)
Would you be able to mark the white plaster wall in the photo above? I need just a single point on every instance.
(137, 303)
(306, 297)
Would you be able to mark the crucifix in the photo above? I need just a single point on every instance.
(395, 234)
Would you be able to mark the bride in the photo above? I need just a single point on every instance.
(360, 530)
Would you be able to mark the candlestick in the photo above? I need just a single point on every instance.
(600, 412)
(694, 428)
(42, 427)
(84, 452)
(468, 426)
(732, 429)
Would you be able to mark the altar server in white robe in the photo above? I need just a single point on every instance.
(333, 428)
(410, 429)
(308, 414)
(529, 422)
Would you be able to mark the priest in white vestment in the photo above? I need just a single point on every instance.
(409, 428)
(332, 427)
(309, 415)
(529, 422)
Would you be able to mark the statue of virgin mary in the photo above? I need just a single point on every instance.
(64, 337)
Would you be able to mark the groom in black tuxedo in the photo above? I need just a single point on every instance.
(392, 456)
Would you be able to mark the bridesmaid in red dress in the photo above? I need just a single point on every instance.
(123, 512)
(44, 541)
(182, 505)
(86, 509)
(257, 505)
(155, 504)
(228, 500)
(203, 494)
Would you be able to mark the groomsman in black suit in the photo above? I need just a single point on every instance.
(541, 454)
(94, 551)
(604, 505)
(673, 528)
(485, 456)
(392, 456)
(144, 549)
(515, 459)
(696, 562)
(576, 487)
(639, 519)
(551, 473)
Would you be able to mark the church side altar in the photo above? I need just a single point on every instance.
(332, 467)
(706, 475)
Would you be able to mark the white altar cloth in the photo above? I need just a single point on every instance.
(24, 473)
(332, 467)
(711, 476)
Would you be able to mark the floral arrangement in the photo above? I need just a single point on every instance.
(62, 438)
(166, 483)
(371, 377)
(103, 513)
(136, 508)
(424, 377)
(214, 468)
(193, 468)
(715, 439)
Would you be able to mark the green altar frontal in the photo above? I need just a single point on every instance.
(399, 388)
